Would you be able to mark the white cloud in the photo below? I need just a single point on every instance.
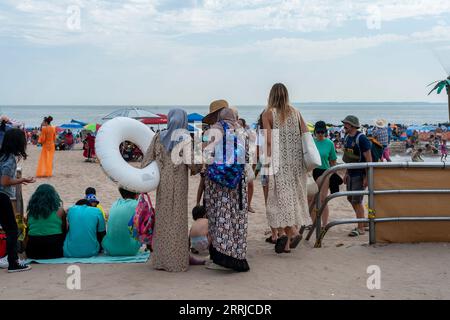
(308, 50)
(436, 34)
(145, 27)
(202, 16)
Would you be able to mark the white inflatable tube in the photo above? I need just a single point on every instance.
(108, 140)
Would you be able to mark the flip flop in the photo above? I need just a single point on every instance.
(356, 232)
(281, 244)
(295, 241)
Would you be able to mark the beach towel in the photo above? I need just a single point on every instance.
(100, 259)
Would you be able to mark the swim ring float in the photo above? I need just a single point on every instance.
(109, 138)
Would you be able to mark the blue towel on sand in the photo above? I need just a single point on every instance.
(100, 259)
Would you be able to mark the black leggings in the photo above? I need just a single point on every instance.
(45, 247)
(9, 225)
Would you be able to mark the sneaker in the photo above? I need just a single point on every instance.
(19, 267)
(4, 262)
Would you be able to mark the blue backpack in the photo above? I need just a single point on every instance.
(225, 174)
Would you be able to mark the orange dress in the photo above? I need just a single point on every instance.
(47, 139)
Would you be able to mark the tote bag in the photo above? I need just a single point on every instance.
(311, 155)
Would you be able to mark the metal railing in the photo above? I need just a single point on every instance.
(370, 192)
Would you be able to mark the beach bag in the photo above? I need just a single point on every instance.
(142, 223)
(227, 175)
(2, 244)
(311, 155)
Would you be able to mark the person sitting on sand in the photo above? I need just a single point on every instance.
(86, 229)
(417, 155)
(198, 234)
(69, 140)
(118, 241)
(91, 197)
(46, 224)
(431, 150)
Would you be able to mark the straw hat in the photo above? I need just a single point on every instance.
(214, 109)
(381, 123)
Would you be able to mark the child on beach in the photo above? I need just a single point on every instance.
(13, 146)
(198, 235)
(91, 196)
(417, 155)
(444, 150)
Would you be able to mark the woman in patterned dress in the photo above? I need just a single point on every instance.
(170, 242)
(227, 212)
(287, 205)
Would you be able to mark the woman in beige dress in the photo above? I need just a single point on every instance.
(170, 241)
(287, 205)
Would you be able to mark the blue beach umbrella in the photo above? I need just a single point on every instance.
(195, 117)
(72, 126)
(192, 128)
(79, 122)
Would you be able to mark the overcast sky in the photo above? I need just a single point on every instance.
(150, 52)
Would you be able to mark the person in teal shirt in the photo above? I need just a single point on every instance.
(118, 241)
(328, 155)
(86, 231)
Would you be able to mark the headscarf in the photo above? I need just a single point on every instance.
(177, 119)
(228, 116)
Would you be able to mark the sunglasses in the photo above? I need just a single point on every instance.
(321, 132)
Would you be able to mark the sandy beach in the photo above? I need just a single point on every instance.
(336, 271)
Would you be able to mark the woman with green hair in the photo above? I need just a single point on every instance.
(46, 224)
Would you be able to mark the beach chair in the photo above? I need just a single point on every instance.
(408, 203)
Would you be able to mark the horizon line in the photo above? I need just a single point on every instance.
(203, 105)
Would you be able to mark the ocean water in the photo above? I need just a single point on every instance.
(405, 113)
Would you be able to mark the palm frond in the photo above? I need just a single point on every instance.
(435, 87)
(433, 83)
(441, 86)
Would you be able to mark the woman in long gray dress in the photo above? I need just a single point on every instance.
(170, 242)
(287, 205)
